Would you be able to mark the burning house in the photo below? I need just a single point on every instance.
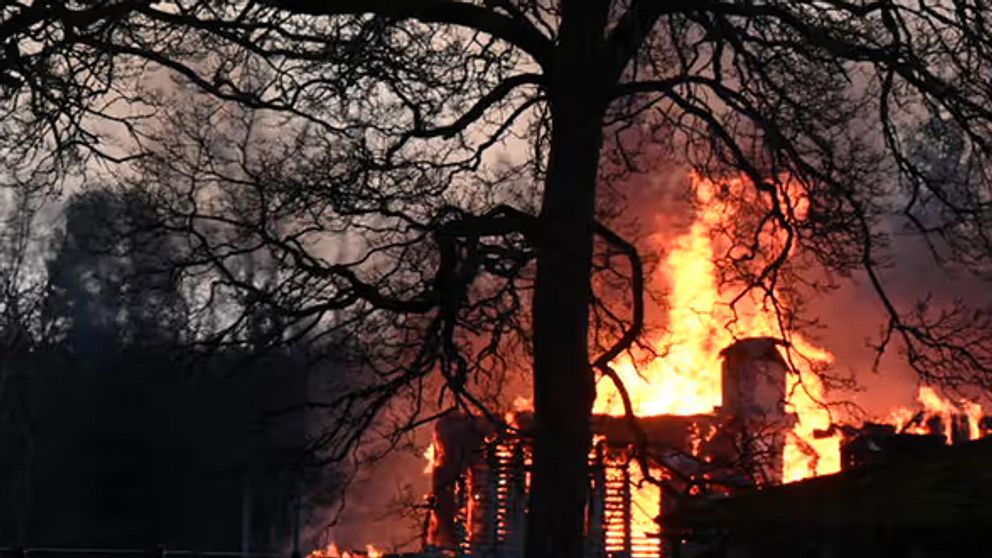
(709, 473)
(721, 417)
(478, 504)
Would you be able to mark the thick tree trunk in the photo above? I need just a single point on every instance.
(564, 387)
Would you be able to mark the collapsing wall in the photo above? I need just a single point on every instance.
(481, 473)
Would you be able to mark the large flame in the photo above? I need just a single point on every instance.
(686, 378)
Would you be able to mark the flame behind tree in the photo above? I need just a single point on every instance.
(391, 115)
(685, 376)
(703, 319)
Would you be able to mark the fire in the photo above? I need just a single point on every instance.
(686, 378)
(430, 454)
(332, 552)
(935, 405)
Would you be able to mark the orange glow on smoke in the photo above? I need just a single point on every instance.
(685, 378)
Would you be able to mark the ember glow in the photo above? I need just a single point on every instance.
(686, 378)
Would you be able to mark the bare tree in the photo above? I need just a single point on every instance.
(384, 118)
(22, 331)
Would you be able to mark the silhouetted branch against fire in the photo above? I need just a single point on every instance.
(723, 72)
(245, 196)
(371, 152)
(634, 329)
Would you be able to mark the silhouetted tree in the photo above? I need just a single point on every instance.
(164, 449)
(111, 275)
(22, 331)
(389, 113)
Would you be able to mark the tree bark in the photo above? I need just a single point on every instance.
(564, 386)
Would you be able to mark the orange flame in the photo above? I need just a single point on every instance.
(430, 454)
(936, 405)
(686, 378)
(332, 551)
